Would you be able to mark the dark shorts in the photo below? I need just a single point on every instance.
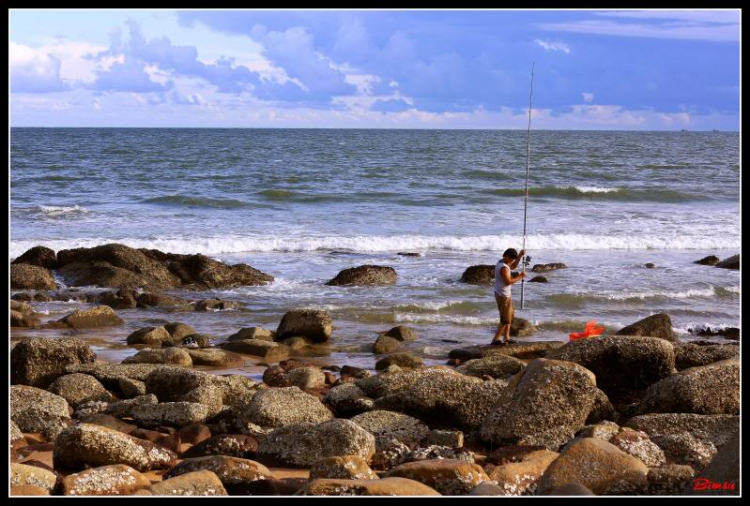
(505, 306)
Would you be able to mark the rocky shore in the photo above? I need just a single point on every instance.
(633, 413)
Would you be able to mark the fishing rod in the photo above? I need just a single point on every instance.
(526, 200)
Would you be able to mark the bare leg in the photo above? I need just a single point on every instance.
(499, 333)
(507, 332)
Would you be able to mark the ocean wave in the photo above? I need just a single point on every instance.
(185, 201)
(62, 210)
(439, 318)
(600, 193)
(578, 299)
(375, 243)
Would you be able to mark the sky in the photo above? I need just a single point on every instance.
(593, 69)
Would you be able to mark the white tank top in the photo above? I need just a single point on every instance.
(500, 287)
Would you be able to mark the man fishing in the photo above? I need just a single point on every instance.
(503, 280)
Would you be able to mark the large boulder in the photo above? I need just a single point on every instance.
(279, 407)
(598, 465)
(548, 267)
(448, 477)
(31, 277)
(80, 388)
(384, 487)
(301, 445)
(175, 356)
(403, 359)
(214, 357)
(497, 366)
(39, 361)
(178, 331)
(365, 275)
(715, 429)
(402, 333)
(116, 265)
(658, 325)
(479, 275)
(312, 323)
(40, 256)
(386, 383)
(117, 479)
(447, 400)
(347, 400)
(390, 425)
(521, 478)
(686, 449)
(730, 263)
(624, 366)
(173, 414)
(724, 470)
(100, 316)
(688, 355)
(22, 475)
(85, 445)
(712, 389)
(267, 350)
(36, 410)
(544, 405)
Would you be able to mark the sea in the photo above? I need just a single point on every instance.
(303, 204)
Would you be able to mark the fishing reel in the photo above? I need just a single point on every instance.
(526, 261)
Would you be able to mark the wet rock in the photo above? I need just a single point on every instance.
(268, 351)
(522, 351)
(120, 266)
(21, 320)
(385, 344)
(150, 299)
(215, 357)
(692, 355)
(544, 405)
(35, 410)
(25, 276)
(100, 316)
(402, 333)
(498, 367)
(387, 426)
(521, 327)
(638, 444)
(348, 467)
(730, 263)
(174, 356)
(80, 388)
(670, 479)
(234, 473)
(448, 477)
(709, 260)
(602, 409)
(258, 333)
(21, 307)
(715, 429)
(449, 400)
(170, 383)
(116, 479)
(624, 366)
(90, 445)
(22, 475)
(408, 254)
(39, 361)
(177, 331)
(194, 341)
(306, 378)
(548, 267)
(312, 323)
(650, 265)
(479, 275)
(597, 465)
(383, 487)
(215, 305)
(404, 359)
(40, 256)
(723, 469)
(275, 376)
(297, 342)
(197, 483)
(685, 449)
(174, 414)
(303, 444)
(520, 478)
(347, 400)
(365, 275)
(709, 390)
(31, 296)
(539, 279)
(154, 336)
(122, 299)
(658, 325)
(279, 407)
(731, 333)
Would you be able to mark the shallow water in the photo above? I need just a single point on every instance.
(303, 204)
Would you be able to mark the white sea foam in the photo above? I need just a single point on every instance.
(595, 189)
(62, 210)
(374, 243)
(429, 318)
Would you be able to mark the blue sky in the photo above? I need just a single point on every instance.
(611, 69)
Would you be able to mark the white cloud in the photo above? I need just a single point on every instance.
(588, 97)
(33, 71)
(671, 29)
(553, 46)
